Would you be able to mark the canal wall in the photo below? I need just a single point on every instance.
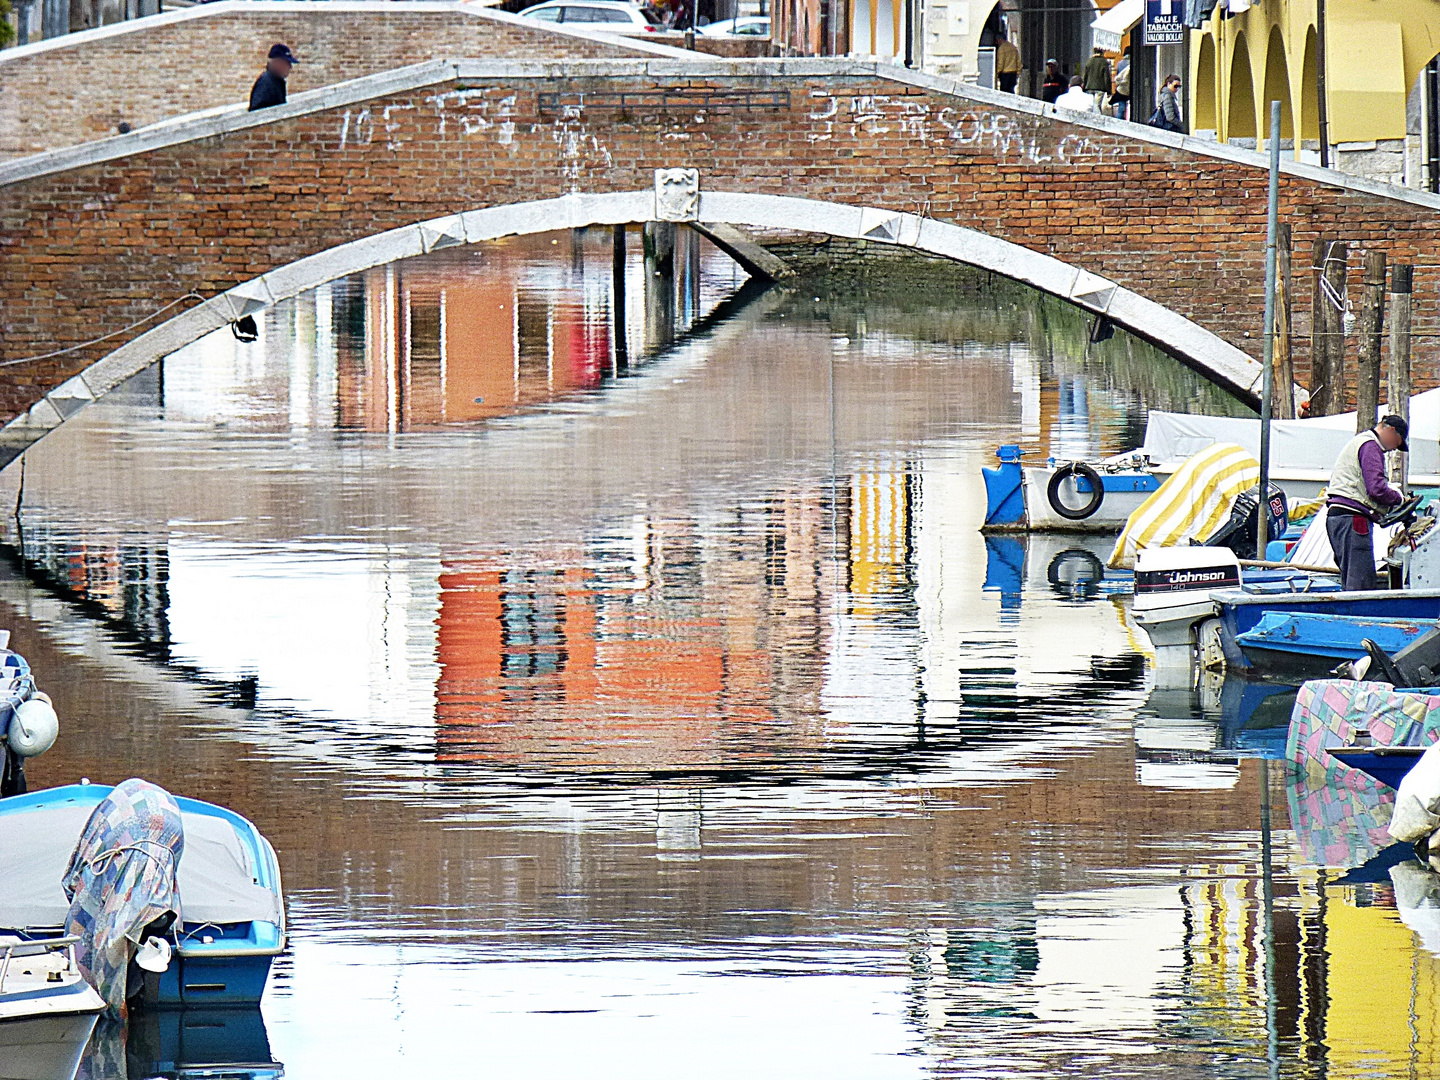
(96, 239)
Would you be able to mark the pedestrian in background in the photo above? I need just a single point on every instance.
(1096, 78)
(1167, 111)
(1120, 98)
(1007, 63)
(269, 88)
(1076, 98)
(1054, 84)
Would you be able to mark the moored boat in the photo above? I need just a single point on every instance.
(1098, 496)
(1062, 496)
(232, 914)
(1387, 764)
(47, 1009)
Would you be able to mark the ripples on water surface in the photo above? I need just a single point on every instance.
(678, 720)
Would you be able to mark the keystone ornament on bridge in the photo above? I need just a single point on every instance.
(677, 194)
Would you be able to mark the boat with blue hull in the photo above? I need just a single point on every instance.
(1308, 634)
(1062, 496)
(232, 918)
(1388, 764)
(1306, 644)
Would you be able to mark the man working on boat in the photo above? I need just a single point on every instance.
(1358, 494)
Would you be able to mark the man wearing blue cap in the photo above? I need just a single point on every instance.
(269, 89)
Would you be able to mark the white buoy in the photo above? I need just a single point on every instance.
(153, 955)
(33, 728)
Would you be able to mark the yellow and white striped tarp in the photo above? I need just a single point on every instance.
(1194, 502)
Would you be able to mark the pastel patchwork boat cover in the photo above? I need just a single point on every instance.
(121, 878)
(1340, 814)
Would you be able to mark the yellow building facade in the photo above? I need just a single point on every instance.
(1376, 55)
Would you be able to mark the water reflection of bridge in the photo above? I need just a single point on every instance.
(823, 619)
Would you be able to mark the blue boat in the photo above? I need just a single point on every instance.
(232, 908)
(1256, 641)
(1307, 643)
(1388, 764)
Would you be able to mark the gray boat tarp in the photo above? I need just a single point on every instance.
(216, 878)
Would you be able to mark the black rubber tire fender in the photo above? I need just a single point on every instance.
(1097, 496)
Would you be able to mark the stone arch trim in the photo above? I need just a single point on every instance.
(1191, 343)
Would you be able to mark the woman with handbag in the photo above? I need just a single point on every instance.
(1167, 114)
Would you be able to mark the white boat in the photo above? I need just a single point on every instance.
(1068, 496)
(47, 1009)
(1302, 452)
(1099, 496)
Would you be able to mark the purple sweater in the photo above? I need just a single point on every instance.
(1372, 467)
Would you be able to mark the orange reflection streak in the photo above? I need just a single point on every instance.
(670, 659)
(525, 673)
(463, 343)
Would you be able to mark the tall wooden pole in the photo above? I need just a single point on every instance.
(1369, 325)
(1283, 395)
(1399, 380)
(1327, 330)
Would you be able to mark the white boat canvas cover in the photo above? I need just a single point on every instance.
(217, 883)
(1300, 448)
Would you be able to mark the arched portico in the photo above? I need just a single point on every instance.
(1189, 342)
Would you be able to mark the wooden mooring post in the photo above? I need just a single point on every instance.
(1369, 324)
(1283, 385)
(1327, 328)
(617, 299)
(1399, 370)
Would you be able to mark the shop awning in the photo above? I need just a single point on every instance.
(1111, 26)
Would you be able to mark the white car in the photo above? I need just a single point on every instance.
(744, 26)
(608, 16)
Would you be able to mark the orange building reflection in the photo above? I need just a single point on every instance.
(423, 344)
(676, 661)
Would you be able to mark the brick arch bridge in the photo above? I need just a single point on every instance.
(1164, 233)
(1211, 354)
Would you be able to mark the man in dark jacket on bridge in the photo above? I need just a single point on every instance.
(1096, 78)
(269, 89)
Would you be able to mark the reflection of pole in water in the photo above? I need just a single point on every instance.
(679, 817)
(659, 283)
(617, 300)
(692, 277)
(1267, 884)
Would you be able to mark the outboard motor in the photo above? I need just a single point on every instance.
(1238, 534)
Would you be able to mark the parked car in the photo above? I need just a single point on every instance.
(744, 26)
(608, 16)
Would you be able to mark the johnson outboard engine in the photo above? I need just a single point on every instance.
(1238, 534)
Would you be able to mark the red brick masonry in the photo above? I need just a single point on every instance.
(94, 248)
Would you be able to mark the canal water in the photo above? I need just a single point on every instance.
(639, 698)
